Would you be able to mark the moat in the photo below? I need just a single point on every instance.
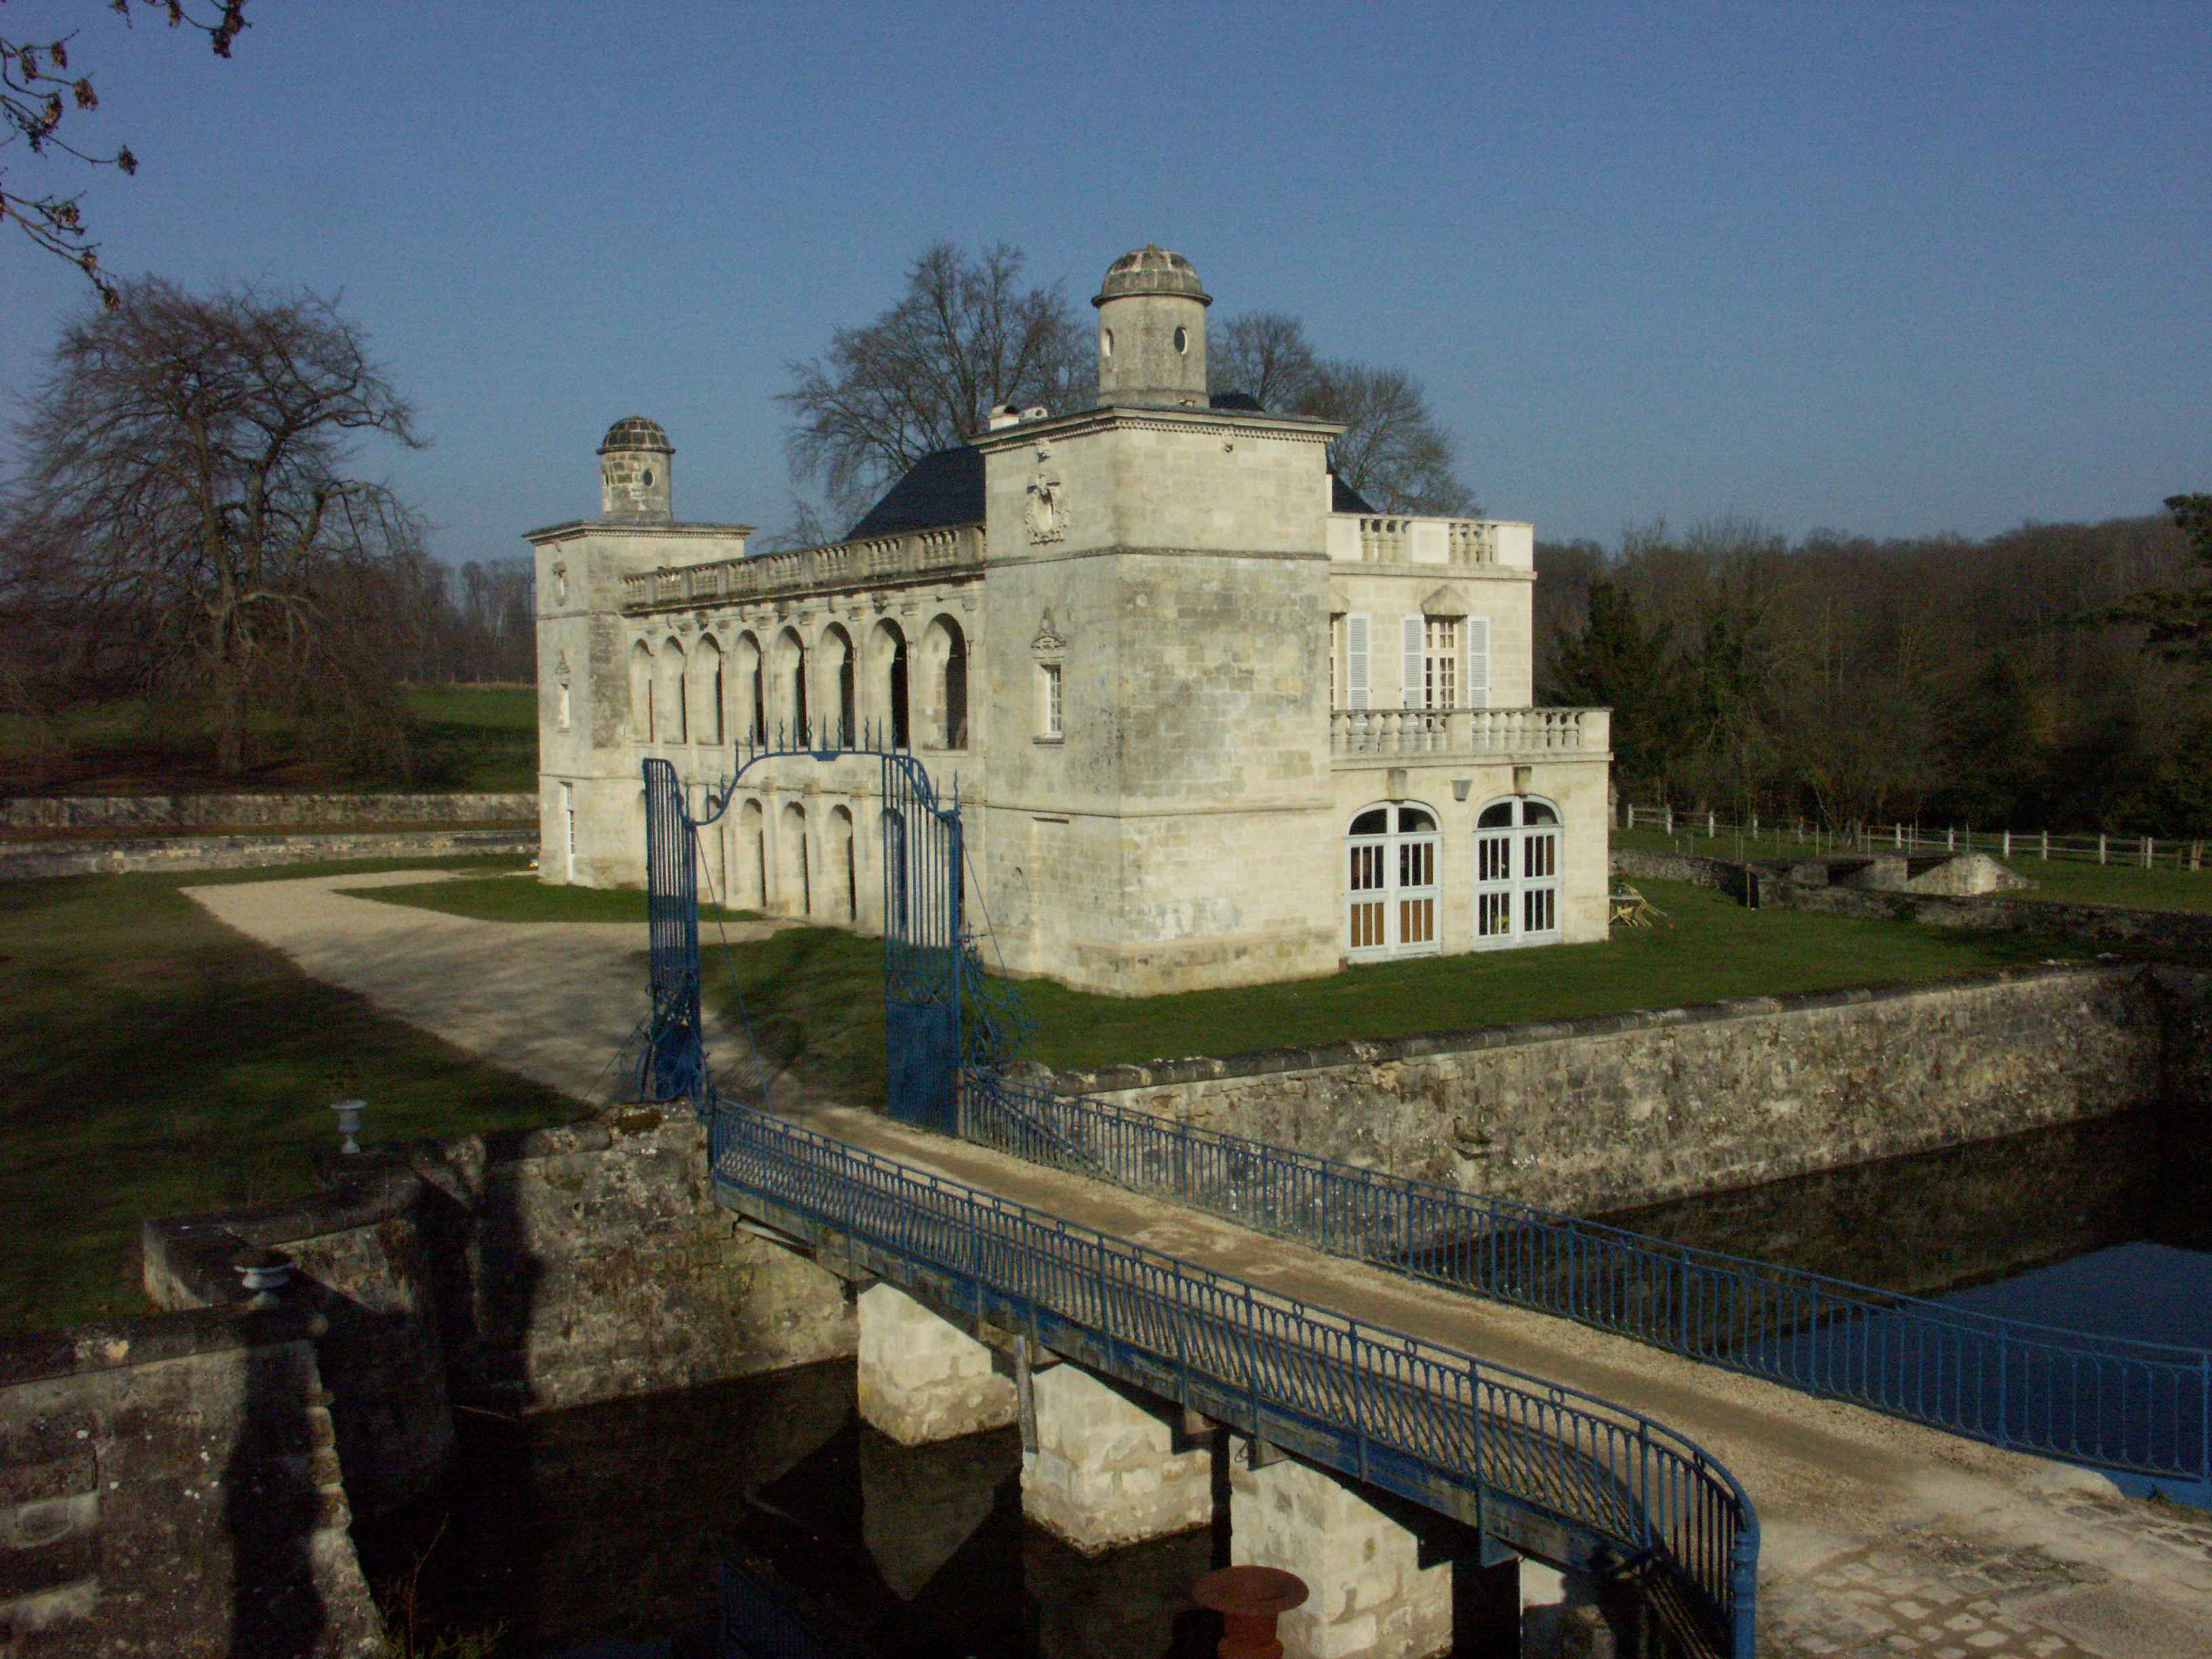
(607, 1532)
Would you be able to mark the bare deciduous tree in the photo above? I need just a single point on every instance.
(39, 86)
(968, 334)
(1392, 452)
(188, 507)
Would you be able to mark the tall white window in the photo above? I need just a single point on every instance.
(1516, 873)
(1048, 706)
(1440, 663)
(1390, 884)
(568, 825)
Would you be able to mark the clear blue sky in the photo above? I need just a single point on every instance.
(1887, 269)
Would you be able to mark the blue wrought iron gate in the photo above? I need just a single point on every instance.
(938, 1015)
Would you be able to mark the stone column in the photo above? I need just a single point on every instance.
(1373, 1598)
(1107, 1470)
(922, 1378)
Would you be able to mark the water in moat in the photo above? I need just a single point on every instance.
(612, 1531)
(2103, 1227)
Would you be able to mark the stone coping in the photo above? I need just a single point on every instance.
(148, 1339)
(1373, 1051)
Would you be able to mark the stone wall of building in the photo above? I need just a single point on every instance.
(40, 860)
(160, 812)
(1598, 1113)
(168, 1488)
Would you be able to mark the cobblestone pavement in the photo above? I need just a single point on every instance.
(1880, 1538)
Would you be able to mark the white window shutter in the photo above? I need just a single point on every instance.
(1478, 662)
(1413, 631)
(1357, 634)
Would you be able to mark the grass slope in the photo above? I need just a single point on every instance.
(152, 1061)
(524, 898)
(814, 996)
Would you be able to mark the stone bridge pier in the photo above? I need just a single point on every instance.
(1105, 1465)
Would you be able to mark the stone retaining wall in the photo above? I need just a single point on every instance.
(183, 1483)
(2160, 932)
(37, 861)
(1599, 1114)
(159, 813)
(168, 1486)
(1694, 868)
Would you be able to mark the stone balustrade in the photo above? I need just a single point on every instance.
(917, 553)
(1399, 538)
(1357, 733)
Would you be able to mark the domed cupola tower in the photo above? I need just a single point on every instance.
(1151, 331)
(634, 469)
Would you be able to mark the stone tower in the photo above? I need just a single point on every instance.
(634, 469)
(1151, 331)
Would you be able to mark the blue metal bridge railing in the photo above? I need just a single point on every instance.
(1570, 1476)
(2120, 1404)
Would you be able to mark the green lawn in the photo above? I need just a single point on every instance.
(475, 737)
(153, 1062)
(814, 996)
(523, 897)
(2130, 886)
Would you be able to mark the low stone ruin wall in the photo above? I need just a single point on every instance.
(37, 861)
(157, 813)
(1691, 867)
(505, 1273)
(2186, 934)
(169, 1486)
(1599, 1114)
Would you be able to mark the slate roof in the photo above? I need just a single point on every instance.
(946, 488)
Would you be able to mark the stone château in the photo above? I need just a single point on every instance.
(1213, 719)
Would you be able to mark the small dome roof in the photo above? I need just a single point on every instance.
(635, 432)
(1151, 269)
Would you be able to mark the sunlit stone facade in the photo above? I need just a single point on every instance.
(1212, 721)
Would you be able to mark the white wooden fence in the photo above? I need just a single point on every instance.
(2139, 852)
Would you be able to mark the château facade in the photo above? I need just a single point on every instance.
(1211, 719)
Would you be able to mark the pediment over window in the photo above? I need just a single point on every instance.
(1446, 601)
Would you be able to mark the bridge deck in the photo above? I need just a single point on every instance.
(1874, 1531)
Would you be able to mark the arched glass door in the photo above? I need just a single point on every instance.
(1390, 886)
(1516, 872)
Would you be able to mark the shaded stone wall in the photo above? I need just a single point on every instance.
(40, 860)
(257, 812)
(1603, 1113)
(168, 1486)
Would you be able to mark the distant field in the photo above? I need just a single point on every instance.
(153, 1062)
(2074, 882)
(464, 738)
(815, 995)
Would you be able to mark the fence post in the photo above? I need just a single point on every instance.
(1950, 840)
(1710, 822)
(2100, 846)
(1755, 826)
(2149, 857)
(2008, 843)
(1670, 818)
(2045, 854)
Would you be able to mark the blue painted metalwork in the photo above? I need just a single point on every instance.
(759, 1621)
(2143, 1407)
(938, 1012)
(1560, 1474)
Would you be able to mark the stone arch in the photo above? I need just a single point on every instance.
(793, 866)
(750, 688)
(751, 884)
(640, 693)
(840, 686)
(670, 702)
(844, 872)
(945, 654)
(708, 690)
(890, 693)
(787, 694)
